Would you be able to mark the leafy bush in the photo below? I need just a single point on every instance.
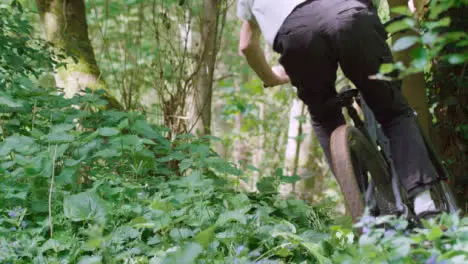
(387, 239)
(434, 36)
(84, 185)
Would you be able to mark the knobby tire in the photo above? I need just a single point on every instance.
(352, 157)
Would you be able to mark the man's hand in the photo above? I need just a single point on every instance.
(281, 77)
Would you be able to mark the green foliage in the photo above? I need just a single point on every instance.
(441, 240)
(434, 35)
(20, 54)
(83, 185)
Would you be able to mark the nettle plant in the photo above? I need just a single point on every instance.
(81, 184)
(388, 239)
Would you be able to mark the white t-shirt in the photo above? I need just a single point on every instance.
(269, 14)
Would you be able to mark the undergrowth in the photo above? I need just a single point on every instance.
(81, 184)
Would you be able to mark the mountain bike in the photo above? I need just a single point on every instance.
(363, 166)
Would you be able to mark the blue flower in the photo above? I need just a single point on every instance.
(24, 224)
(239, 249)
(389, 233)
(365, 230)
(431, 260)
(13, 229)
(12, 214)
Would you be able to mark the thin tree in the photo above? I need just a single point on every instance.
(202, 90)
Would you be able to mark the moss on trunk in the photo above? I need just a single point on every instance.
(64, 25)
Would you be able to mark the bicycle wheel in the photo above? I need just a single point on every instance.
(355, 161)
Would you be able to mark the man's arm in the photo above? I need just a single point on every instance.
(249, 47)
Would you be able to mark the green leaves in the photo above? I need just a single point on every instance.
(434, 233)
(401, 25)
(187, 254)
(85, 206)
(436, 34)
(206, 236)
(9, 102)
(232, 216)
(108, 131)
(60, 137)
(404, 43)
(457, 58)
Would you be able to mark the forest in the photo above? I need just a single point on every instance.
(133, 131)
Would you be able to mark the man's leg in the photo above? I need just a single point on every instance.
(360, 40)
(311, 63)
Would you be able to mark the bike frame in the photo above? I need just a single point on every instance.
(373, 131)
(370, 127)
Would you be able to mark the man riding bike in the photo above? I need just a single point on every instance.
(313, 37)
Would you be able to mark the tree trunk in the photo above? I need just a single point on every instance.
(64, 24)
(258, 147)
(449, 89)
(201, 94)
(414, 86)
(298, 156)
